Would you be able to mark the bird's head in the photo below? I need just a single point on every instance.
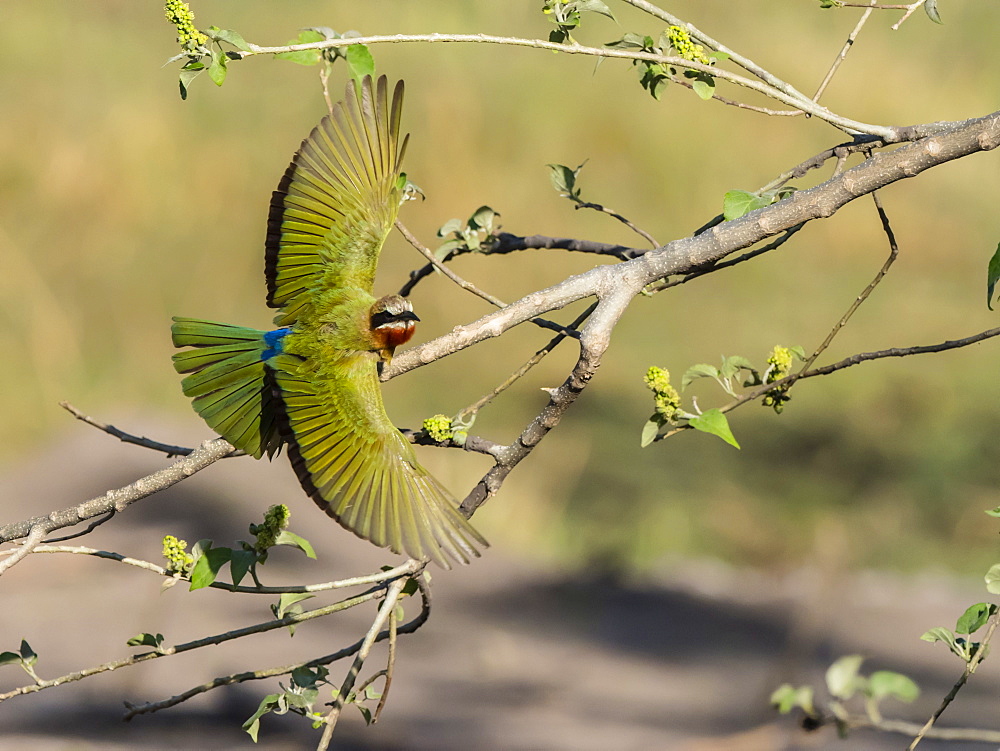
(392, 322)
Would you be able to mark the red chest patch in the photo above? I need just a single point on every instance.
(395, 334)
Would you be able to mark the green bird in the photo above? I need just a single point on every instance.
(312, 384)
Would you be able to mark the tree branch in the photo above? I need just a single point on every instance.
(118, 500)
(690, 253)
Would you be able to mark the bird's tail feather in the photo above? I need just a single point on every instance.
(228, 382)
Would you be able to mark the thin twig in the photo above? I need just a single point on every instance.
(124, 437)
(612, 213)
(843, 52)
(258, 628)
(772, 87)
(468, 286)
(228, 680)
(390, 665)
(847, 362)
(893, 253)
(90, 528)
(901, 727)
(388, 605)
(910, 9)
(410, 567)
(118, 500)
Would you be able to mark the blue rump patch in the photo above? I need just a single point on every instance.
(273, 341)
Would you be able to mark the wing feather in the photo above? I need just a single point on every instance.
(336, 203)
(358, 468)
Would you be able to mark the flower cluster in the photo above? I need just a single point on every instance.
(780, 363)
(175, 551)
(665, 396)
(275, 520)
(779, 366)
(182, 17)
(681, 41)
(439, 428)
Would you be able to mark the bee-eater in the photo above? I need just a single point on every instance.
(312, 383)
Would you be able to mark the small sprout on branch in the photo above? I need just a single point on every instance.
(357, 56)
(290, 603)
(25, 657)
(737, 203)
(477, 235)
(565, 14)
(438, 428)
(786, 697)
(564, 180)
(146, 640)
(973, 619)
(299, 697)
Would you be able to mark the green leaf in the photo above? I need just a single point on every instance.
(217, 70)
(304, 57)
(737, 203)
(993, 511)
(713, 421)
(287, 600)
(483, 218)
(703, 85)
(360, 61)
(207, 567)
(993, 579)
(701, 370)
(992, 275)
(252, 725)
(798, 352)
(595, 6)
(27, 653)
(650, 429)
(630, 40)
(188, 73)
(786, 698)
(233, 37)
(146, 640)
(942, 634)
(930, 7)
(564, 179)
(239, 563)
(410, 588)
(290, 538)
(974, 618)
(842, 679)
(9, 658)
(883, 683)
(733, 364)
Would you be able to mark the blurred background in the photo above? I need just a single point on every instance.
(121, 205)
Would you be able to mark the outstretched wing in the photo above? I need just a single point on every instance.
(336, 202)
(361, 470)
